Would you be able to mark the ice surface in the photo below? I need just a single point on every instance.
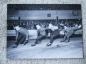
(73, 49)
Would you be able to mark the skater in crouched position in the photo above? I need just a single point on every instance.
(21, 35)
(54, 31)
(40, 34)
(68, 31)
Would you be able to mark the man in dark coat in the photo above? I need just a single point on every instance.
(21, 35)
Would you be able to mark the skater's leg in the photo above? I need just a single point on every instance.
(34, 44)
(68, 38)
(23, 39)
(39, 38)
(27, 40)
(64, 39)
(51, 39)
(18, 39)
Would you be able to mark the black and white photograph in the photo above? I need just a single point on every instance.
(38, 31)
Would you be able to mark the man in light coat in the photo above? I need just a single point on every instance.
(54, 32)
(40, 34)
(68, 31)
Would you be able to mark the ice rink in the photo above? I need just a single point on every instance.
(72, 49)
